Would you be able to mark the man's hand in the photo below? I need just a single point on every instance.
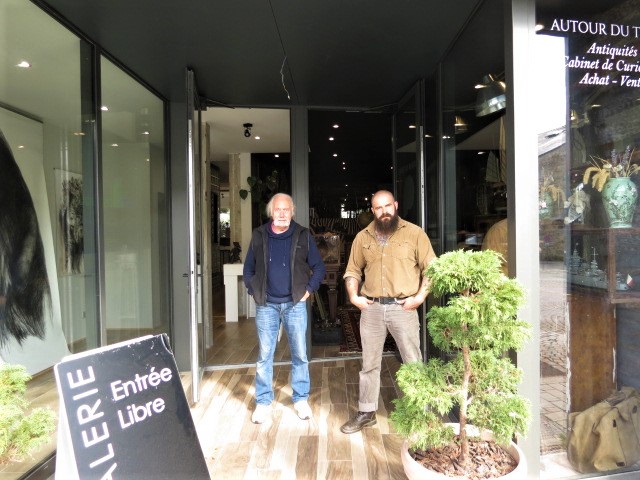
(411, 303)
(306, 295)
(360, 302)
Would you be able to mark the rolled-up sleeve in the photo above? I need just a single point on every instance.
(425, 251)
(356, 263)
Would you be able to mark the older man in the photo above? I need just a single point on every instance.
(391, 254)
(282, 268)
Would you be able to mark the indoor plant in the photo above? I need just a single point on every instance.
(20, 433)
(477, 326)
(619, 193)
(261, 192)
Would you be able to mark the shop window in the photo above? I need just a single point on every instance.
(588, 138)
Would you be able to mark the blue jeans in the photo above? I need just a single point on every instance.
(294, 319)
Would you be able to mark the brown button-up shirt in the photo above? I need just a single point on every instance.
(394, 269)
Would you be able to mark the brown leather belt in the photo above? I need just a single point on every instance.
(386, 300)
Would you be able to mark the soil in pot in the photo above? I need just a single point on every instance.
(486, 460)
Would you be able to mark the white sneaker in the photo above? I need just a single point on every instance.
(261, 413)
(303, 409)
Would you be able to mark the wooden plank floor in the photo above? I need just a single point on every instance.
(286, 447)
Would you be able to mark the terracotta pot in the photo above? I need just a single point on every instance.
(417, 471)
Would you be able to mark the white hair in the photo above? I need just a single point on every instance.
(269, 208)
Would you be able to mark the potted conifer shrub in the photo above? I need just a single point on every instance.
(20, 432)
(477, 326)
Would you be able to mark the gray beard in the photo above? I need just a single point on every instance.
(386, 227)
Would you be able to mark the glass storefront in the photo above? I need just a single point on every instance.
(588, 79)
(84, 204)
(83, 242)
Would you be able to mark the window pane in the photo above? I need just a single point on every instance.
(47, 269)
(588, 76)
(134, 208)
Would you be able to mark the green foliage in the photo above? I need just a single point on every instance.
(261, 191)
(477, 325)
(20, 433)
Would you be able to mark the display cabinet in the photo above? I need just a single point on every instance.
(606, 260)
(602, 269)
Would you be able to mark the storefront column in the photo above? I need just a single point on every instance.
(522, 174)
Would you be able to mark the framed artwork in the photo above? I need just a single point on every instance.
(30, 316)
(70, 237)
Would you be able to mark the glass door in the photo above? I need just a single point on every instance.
(409, 170)
(408, 159)
(198, 328)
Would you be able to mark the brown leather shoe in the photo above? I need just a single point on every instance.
(357, 423)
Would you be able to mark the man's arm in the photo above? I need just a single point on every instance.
(318, 269)
(249, 269)
(411, 303)
(352, 285)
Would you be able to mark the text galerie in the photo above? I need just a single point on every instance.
(90, 411)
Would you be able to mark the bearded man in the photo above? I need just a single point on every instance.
(391, 255)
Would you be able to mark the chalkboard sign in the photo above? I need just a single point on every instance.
(124, 415)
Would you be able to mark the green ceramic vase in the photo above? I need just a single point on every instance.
(619, 197)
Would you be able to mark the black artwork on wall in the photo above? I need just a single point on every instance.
(70, 217)
(24, 284)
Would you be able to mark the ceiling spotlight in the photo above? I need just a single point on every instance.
(247, 129)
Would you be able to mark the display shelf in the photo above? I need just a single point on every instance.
(606, 261)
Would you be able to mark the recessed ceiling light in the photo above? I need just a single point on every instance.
(146, 132)
(335, 125)
(412, 126)
(446, 137)
(114, 144)
(257, 137)
(331, 139)
(277, 156)
(20, 146)
(147, 159)
(104, 108)
(335, 154)
(24, 64)
(346, 184)
(78, 134)
(344, 163)
(480, 153)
